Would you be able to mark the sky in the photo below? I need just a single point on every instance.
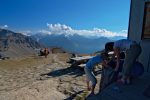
(111, 16)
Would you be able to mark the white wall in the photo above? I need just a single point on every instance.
(135, 30)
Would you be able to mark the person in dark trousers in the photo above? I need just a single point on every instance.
(132, 50)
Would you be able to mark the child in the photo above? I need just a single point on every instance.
(102, 58)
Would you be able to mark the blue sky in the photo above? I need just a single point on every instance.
(33, 15)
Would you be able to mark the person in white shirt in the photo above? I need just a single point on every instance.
(132, 50)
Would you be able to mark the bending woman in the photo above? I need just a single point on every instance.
(103, 58)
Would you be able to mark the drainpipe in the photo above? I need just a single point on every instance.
(129, 21)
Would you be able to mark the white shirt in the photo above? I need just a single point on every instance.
(123, 44)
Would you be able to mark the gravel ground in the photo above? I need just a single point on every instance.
(39, 78)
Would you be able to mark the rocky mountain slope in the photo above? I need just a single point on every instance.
(16, 44)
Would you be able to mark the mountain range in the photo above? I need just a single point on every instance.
(16, 44)
(72, 43)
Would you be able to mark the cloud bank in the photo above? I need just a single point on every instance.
(95, 32)
(59, 29)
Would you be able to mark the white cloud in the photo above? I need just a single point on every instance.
(95, 32)
(4, 26)
(45, 32)
(27, 32)
(58, 27)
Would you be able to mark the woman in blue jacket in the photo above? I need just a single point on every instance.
(102, 58)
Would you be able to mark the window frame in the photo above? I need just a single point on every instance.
(144, 21)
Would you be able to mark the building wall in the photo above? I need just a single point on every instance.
(135, 30)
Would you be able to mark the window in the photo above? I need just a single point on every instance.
(146, 24)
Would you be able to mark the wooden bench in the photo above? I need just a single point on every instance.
(79, 61)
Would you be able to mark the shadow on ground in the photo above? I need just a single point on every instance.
(77, 71)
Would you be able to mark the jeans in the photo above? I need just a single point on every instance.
(131, 56)
(90, 76)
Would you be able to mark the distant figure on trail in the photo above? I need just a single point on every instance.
(90, 77)
(132, 50)
(44, 52)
